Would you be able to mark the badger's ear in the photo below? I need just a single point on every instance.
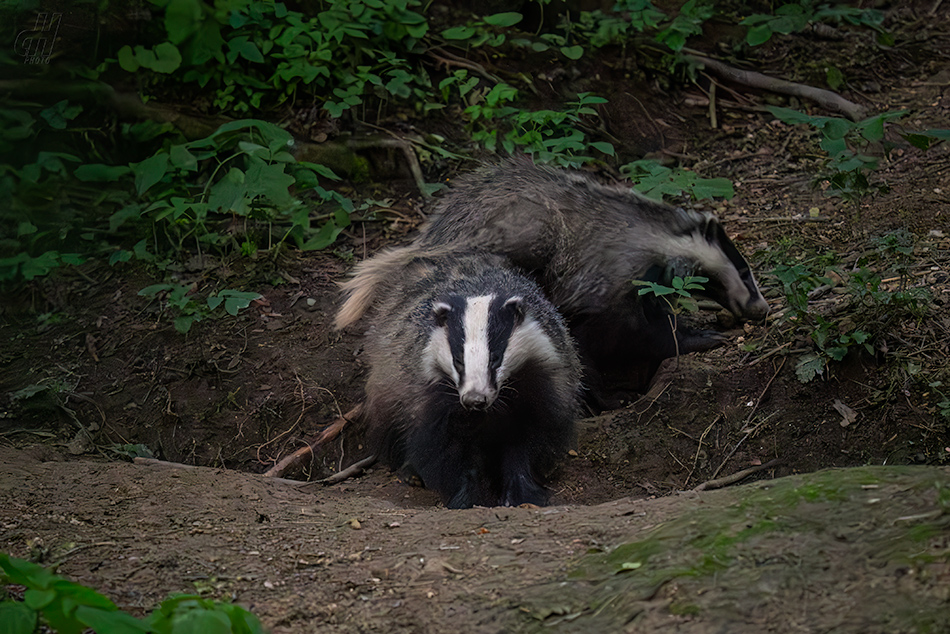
(516, 306)
(440, 311)
(712, 229)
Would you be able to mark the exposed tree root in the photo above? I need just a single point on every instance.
(824, 98)
(329, 433)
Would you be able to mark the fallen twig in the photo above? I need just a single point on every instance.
(824, 98)
(329, 433)
(735, 477)
(353, 470)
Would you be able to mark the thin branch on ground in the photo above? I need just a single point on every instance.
(353, 470)
(329, 433)
(735, 477)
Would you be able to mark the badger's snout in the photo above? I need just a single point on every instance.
(476, 399)
(756, 310)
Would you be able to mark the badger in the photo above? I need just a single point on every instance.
(474, 380)
(585, 242)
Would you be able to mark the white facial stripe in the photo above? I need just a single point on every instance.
(716, 265)
(528, 343)
(438, 357)
(476, 356)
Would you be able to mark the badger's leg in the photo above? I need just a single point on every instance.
(446, 459)
(519, 486)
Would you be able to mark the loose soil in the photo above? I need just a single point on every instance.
(90, 368)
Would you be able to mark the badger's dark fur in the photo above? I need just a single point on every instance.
(474, 379)
(585, 242)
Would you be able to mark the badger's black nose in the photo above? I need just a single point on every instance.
(475, 400)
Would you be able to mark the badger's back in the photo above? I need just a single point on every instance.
(585, 240)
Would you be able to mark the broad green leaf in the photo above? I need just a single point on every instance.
(572, 52)
(202, 622)
(109, 621)
(16, 618)
(99, 172)
(458, 33)
(808, 367)
(149, 171)
(503, 19)
(712, 188)
(167, 58)
(758, 35)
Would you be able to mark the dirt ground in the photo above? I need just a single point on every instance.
(88, 368)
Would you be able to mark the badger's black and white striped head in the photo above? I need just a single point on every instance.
(711, 253)
(480, 342)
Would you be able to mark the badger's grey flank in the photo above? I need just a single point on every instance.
(585, 242)
(474, 380)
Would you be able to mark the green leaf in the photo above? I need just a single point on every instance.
(572, 52)
(149, 171)
(167, 58)
(503, 19)
(16, 618)
(38, 599)
(59, 114)
(183, 325)
(182, 18)
(203, 622)
(808, 367)
(837, 352)
(834, 78)
(120, 256)
(458, 33)
(713, 188)
(322, 170)
(154, 289)
(127, 59)
(109, 621)
(182, 158)
(603, 146)
(99, 172)
(229, 192)
(758, 35)
(236, 300)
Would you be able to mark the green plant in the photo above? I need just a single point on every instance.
(796, 16)
(70, 608)
(870, 309)
(552, 136)
(484, 31)
(658, 181)
(846, 169)
(256, 55)
(676, 296)
(689, 22)
(187, 309)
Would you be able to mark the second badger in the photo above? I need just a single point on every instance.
(474, 380)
